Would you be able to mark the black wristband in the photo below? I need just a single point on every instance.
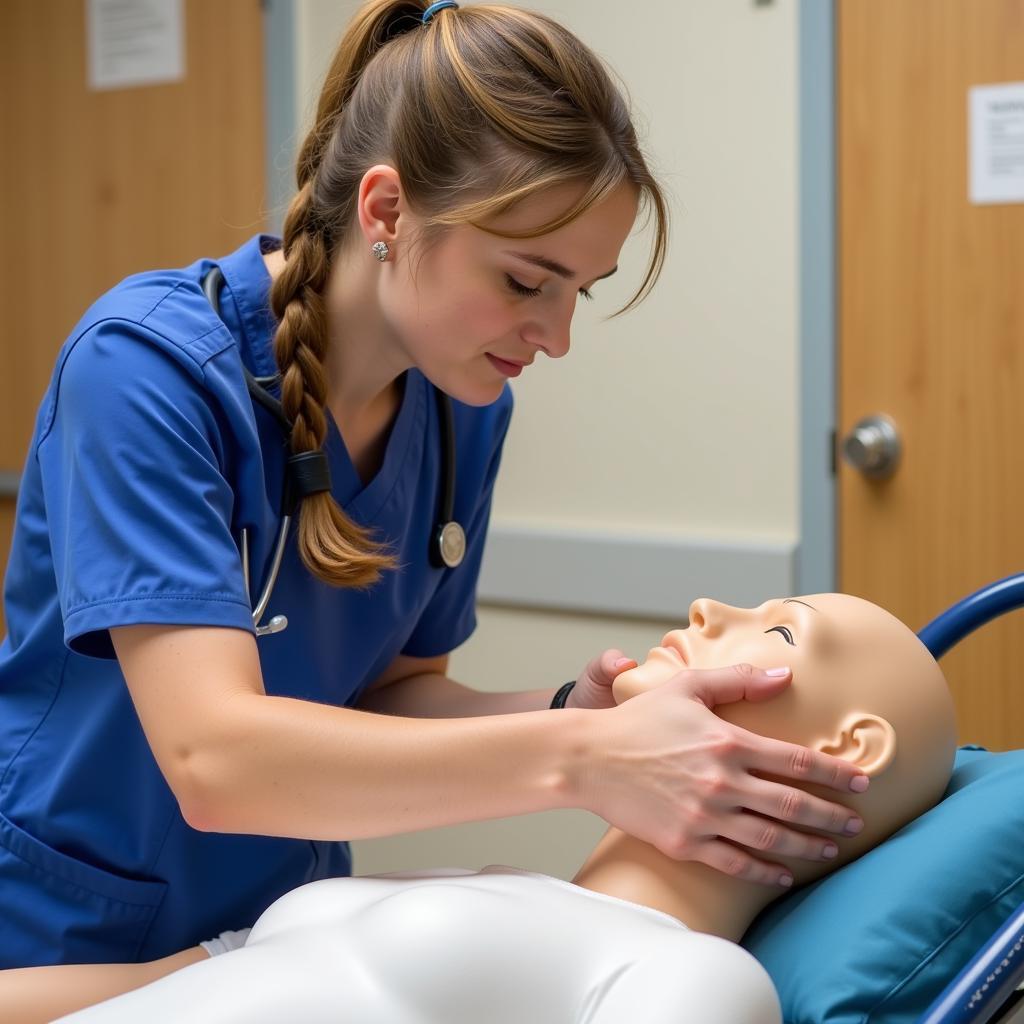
(559, 699)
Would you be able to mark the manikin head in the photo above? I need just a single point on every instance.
(864, 689)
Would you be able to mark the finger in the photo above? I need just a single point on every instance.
(607, 660)
(622, 664)
(768, 835)
(737, 682)
(795, 807)
(738, 863)
(608, 665)
(593, 669)
(790, 761)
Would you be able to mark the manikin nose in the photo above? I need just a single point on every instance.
(707, 616)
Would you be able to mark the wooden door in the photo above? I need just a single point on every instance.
(95, 185)
(931, 332)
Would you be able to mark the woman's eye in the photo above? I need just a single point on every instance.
(786, 634)
(520, 289)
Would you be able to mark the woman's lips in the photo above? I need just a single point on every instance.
(505, 367)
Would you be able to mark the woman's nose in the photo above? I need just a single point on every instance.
(553, 336)
(559, 338)
(554, 342)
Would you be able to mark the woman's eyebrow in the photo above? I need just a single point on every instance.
(804, 603)
(555, 268)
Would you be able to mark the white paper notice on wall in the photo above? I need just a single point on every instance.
(135, 42)
(996, 130)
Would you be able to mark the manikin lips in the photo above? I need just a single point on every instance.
(675, 647)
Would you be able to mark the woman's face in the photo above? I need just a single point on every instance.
(471, 314)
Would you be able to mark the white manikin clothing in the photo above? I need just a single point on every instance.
(451, 946)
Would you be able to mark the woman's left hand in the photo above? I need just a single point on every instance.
(593, 687)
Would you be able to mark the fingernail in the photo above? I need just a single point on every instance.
(853, 826)
(859, 783)
(623, 661)
(786, 881)
(776, 672)
(830, 851)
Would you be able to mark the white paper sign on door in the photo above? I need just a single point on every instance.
(135, 42)
(996, 132)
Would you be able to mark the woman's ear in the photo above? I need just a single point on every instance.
(865, 740)
(379, 203)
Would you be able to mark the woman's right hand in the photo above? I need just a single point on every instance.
(674, 774)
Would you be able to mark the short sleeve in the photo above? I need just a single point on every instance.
(138, 508)
(450, 617)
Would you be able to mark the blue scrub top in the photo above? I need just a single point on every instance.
(147, 460)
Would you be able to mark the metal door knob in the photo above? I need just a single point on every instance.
(873, 446)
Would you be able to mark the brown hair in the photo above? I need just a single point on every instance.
(520, 104)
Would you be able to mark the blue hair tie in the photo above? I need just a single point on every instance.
(434, 8)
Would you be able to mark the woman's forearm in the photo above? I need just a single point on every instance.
(34, 995)
(285, 767)
(436, 696)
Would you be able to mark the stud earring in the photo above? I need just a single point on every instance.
(381, 250)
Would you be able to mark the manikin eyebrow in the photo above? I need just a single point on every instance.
(555, 268)
(823, 637)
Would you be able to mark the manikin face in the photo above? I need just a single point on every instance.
(814, 636)
(864, 689)
(471, 314)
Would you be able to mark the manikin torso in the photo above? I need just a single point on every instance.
(448, 946)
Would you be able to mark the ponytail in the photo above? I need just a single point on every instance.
(333, 547)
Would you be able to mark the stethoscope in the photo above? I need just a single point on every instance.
(308, 473)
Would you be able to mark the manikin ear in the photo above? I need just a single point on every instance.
(865, 740)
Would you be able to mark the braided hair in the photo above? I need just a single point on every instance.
(488, 103)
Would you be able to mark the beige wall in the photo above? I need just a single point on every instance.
(678, 418)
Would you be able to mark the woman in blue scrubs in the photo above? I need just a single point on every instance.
(163, 775)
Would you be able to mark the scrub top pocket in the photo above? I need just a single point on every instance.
(56, 909)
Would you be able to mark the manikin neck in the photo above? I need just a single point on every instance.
(702, 898)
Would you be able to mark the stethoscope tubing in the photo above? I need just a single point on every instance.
(448, 540)
(275, 568)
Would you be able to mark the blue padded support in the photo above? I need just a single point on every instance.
(973, 611)
(980, 989)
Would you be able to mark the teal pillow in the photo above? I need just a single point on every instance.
(879, 940)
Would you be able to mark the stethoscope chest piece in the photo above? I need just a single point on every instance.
(449, 548)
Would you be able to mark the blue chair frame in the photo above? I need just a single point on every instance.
(986, 984)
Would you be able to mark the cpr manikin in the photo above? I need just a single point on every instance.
(636, 935)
